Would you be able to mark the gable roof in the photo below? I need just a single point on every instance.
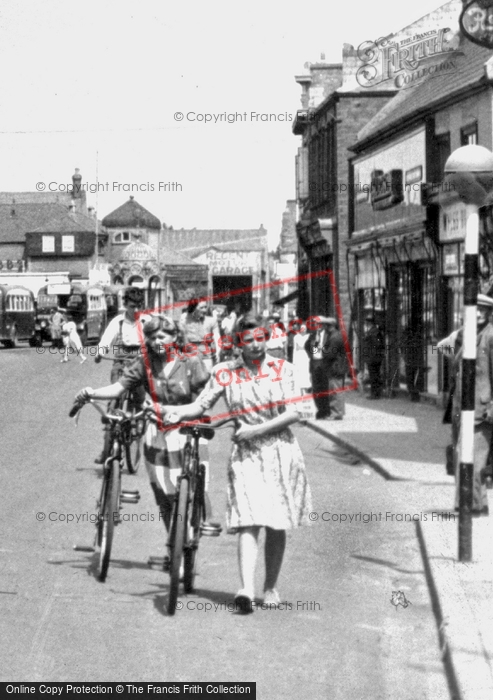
(413, 103)
(67, 222)
(17, 219)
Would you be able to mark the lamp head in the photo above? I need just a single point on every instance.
(469, 171)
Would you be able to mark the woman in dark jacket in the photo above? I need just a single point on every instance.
(170, 377)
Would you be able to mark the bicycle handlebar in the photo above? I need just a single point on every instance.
(115, 417)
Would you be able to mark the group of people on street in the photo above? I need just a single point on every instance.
(267, 484)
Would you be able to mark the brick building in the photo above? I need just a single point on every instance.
(409, 227)
(338, 100)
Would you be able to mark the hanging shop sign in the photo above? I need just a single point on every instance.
(476, 22)
(453, 221)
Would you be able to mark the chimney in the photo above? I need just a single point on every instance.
(77, 184)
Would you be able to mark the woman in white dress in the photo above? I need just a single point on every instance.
(267, 485)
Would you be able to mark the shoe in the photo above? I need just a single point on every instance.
(478, 513)
(100, 459)
(83, 360)
(65, 359)
(321, 416)
(243, 603)
(272, 599)
(334, 417)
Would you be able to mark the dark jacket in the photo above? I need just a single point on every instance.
(483, 399)
(334, 356)
(186, 379)
(373, 346)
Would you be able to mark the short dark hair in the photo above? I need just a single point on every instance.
(133, 294)
(250, 321)
(193, 303)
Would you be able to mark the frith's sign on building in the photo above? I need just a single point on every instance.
(476, 22)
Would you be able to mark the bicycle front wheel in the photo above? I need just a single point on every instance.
(196, 518)
(109, 514)
(177, 542)
(131, 450)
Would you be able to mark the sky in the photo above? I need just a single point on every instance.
(97, 85)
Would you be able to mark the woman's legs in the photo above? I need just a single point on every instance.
(247, 558)
(275, 544)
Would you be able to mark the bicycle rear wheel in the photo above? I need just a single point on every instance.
(196, 518)
(177, 541)
(110, 512)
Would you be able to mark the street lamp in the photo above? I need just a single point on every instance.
(469, 171)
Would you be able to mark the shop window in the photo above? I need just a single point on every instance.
(469, 135)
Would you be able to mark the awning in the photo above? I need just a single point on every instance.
(286, 299)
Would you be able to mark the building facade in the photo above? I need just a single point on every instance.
(406, 241)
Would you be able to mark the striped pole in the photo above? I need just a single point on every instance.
(466, 467)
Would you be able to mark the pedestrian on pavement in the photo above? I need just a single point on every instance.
(412, 351)
(483, 415)
(373, 352)
(328, 368)
(173, 380)
(301, 364)
(293, 329)
(267, 485)
(56, 321)
(71, 339)
(277, 341)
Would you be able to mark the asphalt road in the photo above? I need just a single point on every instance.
(338, 635)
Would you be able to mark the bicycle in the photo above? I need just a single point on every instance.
(112, 495)
(189, 509)
(126, 403)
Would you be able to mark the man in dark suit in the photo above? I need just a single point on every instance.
(328, 368)
(483, 400)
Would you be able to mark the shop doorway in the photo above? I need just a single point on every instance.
(222, 284)
(412, 328)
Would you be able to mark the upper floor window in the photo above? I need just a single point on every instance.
(442, 151)
(123, 237)
(469, 135)
(67, 244)
(48, 244)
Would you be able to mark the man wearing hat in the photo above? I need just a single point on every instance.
(328, 368)
(483, 398)
(373, 351)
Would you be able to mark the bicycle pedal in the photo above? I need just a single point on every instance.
(210, 530)
(128, 492)
(83, 548)
(129, 499)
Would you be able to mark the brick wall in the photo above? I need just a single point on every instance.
(352, 113)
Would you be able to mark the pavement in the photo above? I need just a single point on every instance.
(405, 442)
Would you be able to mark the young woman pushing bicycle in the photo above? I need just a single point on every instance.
(175, 380)
(267, 485)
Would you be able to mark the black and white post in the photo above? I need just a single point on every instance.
(470, 170)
